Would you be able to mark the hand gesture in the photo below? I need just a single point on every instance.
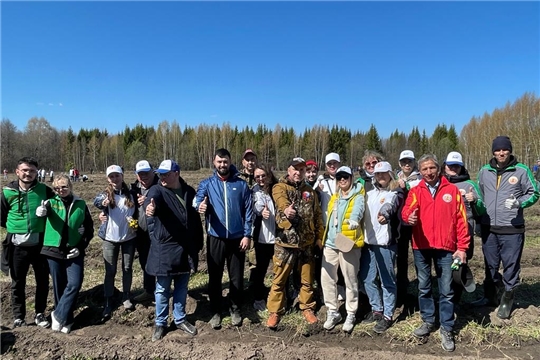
(470, 196)
(151, 208)
(140, 199)
(81, 230)
(265, 213)
(413, 218)
(461, 255)
(511, 202)
(402, 183)
(41, 210)
(203, 206)
(105, 202)
(381, 219)
(353, 224)
(290, 211)
(102, 217)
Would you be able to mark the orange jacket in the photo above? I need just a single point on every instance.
(442, 220)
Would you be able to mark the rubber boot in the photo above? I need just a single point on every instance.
(507, 300)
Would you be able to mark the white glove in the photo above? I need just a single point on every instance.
(352, 224)
(81, 230)
(73, 253)
(511, 202)
(41, 210)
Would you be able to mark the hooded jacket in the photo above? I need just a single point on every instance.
(442, 219)
(229, 213)
(499, 184)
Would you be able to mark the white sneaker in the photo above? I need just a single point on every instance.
(349, 323)
(56, 326)
(259, 305)
(67, 328)
(332, 319)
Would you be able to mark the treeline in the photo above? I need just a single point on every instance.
(193, 147)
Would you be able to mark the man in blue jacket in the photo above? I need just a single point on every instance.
(225, 200)
(507, 187)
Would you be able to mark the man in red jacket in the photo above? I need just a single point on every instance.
(437, 213)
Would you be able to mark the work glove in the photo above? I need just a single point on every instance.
(352, 224)
(73, 253)
(511, 202)
(41, 210)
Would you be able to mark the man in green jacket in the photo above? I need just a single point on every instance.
(22, 246)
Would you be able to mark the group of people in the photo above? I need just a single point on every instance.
(331, 237)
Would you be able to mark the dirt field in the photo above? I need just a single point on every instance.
(127, 335)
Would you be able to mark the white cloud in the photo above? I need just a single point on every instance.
(51, 104)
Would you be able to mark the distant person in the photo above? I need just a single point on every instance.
(536, 170)
(68, 232)
(173, 242)
(118, 233)
(5, 174)
(225, 200)
(249, 161)
(84, 178)
(507, 187)
(264, 231)
(435, 210)
(71, 175)
(24, 240)
(312, 172)
(299, 222)
(51, 175)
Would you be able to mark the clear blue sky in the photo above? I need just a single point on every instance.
(394, 64)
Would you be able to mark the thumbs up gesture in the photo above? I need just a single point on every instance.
(203, 206)
(150, 208)
(290, 211)
(41, 210)
(470, 196)
(511, 202)
(265, 213)
(413, 218)
(140, 199)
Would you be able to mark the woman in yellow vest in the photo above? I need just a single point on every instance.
(68, 231)
(343, 239)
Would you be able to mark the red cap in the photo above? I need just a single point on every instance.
(312, 163)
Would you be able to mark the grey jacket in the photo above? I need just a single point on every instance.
(499, 184)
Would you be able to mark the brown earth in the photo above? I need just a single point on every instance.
(127, 334)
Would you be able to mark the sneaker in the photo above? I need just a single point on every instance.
(236, 319)
(128, 305)
(372, 317)
(259, 305)
(186, 327)
(424, 330)
(19, 323)
(159, 332)
(447, 340)
(144, 297)
(332, 319)
(348, 325)
(273, 320)
(42, 321)
(310, 316)
(66, 329)
(56, 326)
(382, 325)
(215, 321)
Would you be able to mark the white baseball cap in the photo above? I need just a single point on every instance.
(330, 157)
(382, 167)
(344, 169)
(454, 158)
(114, 169)
(142, 165)
(406, 154)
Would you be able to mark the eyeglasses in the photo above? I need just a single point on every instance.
(342, 177)
(260, 176)
(61, 188)
(371, 164)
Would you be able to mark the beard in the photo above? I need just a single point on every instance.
(223, 172)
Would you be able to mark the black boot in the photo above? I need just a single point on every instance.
(507, 300)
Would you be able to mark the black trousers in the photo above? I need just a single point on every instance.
(21, 258)
(263, 254)
(219, 251)
(142, 244)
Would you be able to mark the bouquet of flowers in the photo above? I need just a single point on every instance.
(133, 223)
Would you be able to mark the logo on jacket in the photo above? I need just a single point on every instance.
(447, 198)
(513, 180)
(306, 196)
(381, 201)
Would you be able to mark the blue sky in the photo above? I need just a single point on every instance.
(394, 64)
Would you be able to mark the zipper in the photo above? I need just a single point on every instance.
(226, 209)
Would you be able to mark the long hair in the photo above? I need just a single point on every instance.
(270, 179)
(123, 191)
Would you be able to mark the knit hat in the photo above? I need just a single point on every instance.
(501, 143)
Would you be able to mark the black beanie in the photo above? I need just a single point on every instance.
(501, 142)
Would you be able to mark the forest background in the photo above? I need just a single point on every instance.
(92, 150)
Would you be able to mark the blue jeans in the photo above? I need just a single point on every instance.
(442, 260)
(163, 294)
(67, 277)
(380, 260)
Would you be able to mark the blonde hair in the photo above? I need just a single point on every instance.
(63, 178)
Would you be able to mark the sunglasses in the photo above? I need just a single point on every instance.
(61, 188)
(161, 176)
(342, 177)
(370, 164)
